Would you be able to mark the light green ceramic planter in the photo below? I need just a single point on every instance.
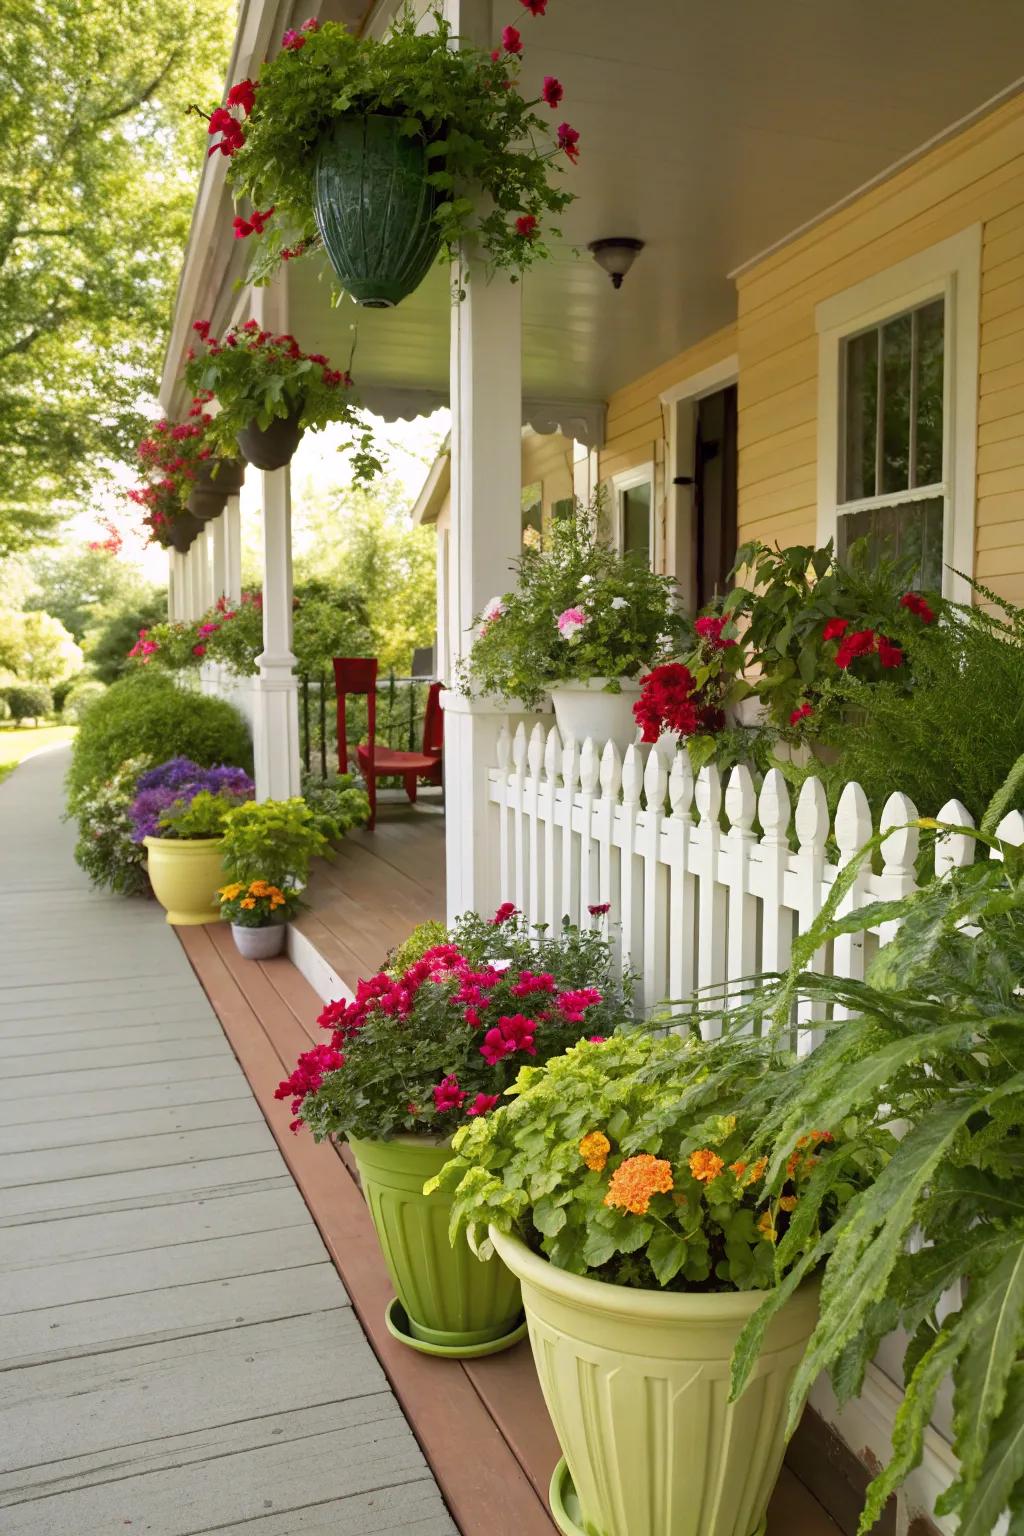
(637, 1385)
(450, 1299)
(185, 874)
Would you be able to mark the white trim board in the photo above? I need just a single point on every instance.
(312, 966)
(951, 269)
(707, 382)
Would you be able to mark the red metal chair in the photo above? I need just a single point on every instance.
(358, 675)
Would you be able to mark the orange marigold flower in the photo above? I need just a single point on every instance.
(248, 903)
(757, 1170)
(705, 1165)
(788, 1203)
(792, 1164)
(594, 1149)
(739, 1169)
(766, 1227)
(817, 1136)
(636, 1179)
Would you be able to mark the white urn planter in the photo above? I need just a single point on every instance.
(585, 709)
(259, 943)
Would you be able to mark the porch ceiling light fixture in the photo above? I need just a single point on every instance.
(615, 256)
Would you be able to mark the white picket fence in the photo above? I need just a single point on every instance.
(696, 900)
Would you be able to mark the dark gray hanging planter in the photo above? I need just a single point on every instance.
(271, 447)
(375, 208)
(216, 480)
(184, 531)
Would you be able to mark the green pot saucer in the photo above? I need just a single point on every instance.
(565, 1506)
(397, 1321)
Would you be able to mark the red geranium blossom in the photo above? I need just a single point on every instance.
(551, 91)
(917, 605)
(483, 1104)
(505, 911)
(513, 1032)
(293, 40)
(568, 138)
(889, 653)
(835, 629)
(535, 7)
(243, 95)
(801, 713)
(860, 643)
(710, 628)
(254, 224)
(526, 225)
(667, 702)
(511, 40)
(230, 129)
(599, 908)
(448, 1095)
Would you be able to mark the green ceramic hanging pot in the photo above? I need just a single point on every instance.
(374, 208)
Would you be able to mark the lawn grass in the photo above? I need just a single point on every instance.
(19, 741)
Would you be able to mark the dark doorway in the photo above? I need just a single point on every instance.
(715, 463)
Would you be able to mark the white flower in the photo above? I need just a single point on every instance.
(620, 602)
(586, 581)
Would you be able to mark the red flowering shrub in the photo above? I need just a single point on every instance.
(425, 1047)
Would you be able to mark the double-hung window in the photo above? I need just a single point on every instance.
(897, 423)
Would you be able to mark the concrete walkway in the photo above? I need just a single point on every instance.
(177, 1353)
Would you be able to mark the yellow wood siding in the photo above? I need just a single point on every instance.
(549, 460)
(976, 177)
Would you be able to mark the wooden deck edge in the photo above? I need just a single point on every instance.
(485, 1486)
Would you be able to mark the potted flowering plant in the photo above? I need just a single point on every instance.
(258, 914)
(269, 392)
(185, 482)
(178, 814)
(386, 149)
(582, 623)
(428, 1045)
(617, 1185)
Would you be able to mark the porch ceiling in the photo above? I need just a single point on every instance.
(710, 132)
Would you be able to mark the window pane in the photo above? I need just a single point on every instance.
(896, 405)
(861, 409)
(636, 522)
(911, 531)
(930, 357)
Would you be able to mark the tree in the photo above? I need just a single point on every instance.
(107, 644)
(81, 586)
(36, 648)
(98, 161)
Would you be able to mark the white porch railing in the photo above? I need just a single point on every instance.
(696, 899)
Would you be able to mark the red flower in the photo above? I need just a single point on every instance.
(243, 95)
(311, 25)
(535, 7)
(835, 629)
(572, 1004)
(600, 908)
(514, 1032)
(483, 1104)
(889, 653)
(916, 604)
(551, 91)
(201, 328)
(710, 628)
(526, 225)
(860, 643)
(504, 912)
(568, 138)
(199, 650)
(254, 225)
(528, 982)
(293, 40)
(801, 713)
(448, 1095)
(230, 129)
(667, 702)
(511, 40)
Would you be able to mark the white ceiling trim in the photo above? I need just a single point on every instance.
(583, 420)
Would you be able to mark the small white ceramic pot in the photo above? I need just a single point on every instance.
(259, 943)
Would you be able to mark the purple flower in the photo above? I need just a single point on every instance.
(178, 781)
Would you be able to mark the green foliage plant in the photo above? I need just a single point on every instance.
(338, 799)
(492, 155)
(258, 378)
(423, 937)
(628, 617)
(106, 848)
(149, 715)
(29, 701)
(81, 698)
(276, 841)
(200, 816)
(624, 1161)
(931, 1042)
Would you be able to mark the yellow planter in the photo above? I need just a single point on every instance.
(185, 875)
(637, 1385)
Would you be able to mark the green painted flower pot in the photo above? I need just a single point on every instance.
(216, 480)
(374, 209)
(185, 874)
(637, 1385)
(449, 1298)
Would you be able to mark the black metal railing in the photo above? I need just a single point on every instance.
(401, 706)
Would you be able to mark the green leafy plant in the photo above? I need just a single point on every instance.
(149, 715)
(491, 153)
(199, 816)
(276, 840)
(423, 1048)
(579, 611)
(257, 904)
(338, 799)
(80, 697)
(932, 1042)
(29, 701)
(107, 848)
(258, 378)
(625, 1161)
(423, 937)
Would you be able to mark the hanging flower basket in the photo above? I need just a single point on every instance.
(183, 532)
(374, 208)
(271, 447)
(216, 480)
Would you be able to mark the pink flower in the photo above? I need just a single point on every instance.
(526, 225)
(597, 1039)
(568, 138)
(572, 1005)
(448, 1095)
(514, 1032)
(528, 982)
(492, 610)
(535, 7)
(571, 622)
(293, 40)
(835, 629)
(800, 713)
(199, 650)
(599, 908)
(483, 1104)
(312, 25)
(552, 91)
(505, 911)
(511, 40)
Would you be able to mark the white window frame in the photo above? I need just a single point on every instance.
(628, 480)
(950, 270)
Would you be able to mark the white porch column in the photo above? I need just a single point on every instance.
(486, 468)
(191, 582)
(173, 584)
(232, 521)
(276, 726)
(219, 553)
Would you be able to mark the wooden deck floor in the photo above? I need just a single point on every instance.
(178, 1352)
(381, 885)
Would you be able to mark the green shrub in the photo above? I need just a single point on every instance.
(61, 690)
(106, 848)
(338, 799)
(81, 698)
(5, 708)
(29, 701)
(148, 715)
(276, 841)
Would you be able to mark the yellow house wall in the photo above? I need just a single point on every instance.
(976, 177)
